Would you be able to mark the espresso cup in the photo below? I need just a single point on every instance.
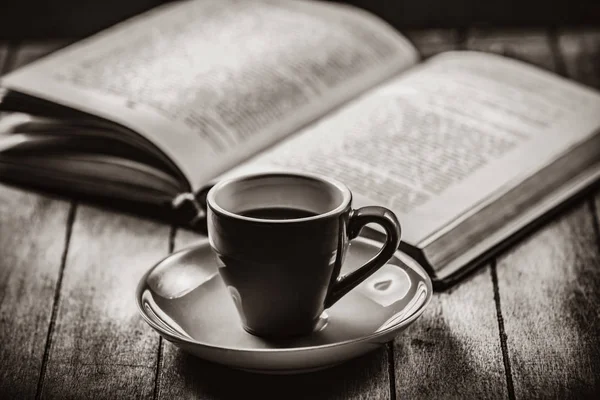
(280, 240)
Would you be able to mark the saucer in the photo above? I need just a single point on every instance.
(185, 300)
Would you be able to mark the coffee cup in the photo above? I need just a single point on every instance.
(280, 240)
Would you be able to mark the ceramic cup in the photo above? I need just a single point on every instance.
(280, 241)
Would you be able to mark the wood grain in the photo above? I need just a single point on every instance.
(101, 347)
(32, 241)
(529, 45)
(549, 287)
(453, 351)
(550, 292)
(580, 51)
(33, 237)
(186, 377)
(544, 321)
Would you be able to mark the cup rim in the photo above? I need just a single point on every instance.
(345, 191)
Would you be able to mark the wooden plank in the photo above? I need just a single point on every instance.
(33, 237)
(580, 51)
(101, 347)
(433, 41)
(548, 290)
(550, 293)
(97, 378)
(32, 241)
(453, 350)
(529, 45)
(183, 376)
(81, 359)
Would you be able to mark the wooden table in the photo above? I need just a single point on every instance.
(525, 326)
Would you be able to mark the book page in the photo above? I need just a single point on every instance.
(213, 82)
(437, 142)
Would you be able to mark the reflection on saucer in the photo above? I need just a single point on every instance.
(387, 286)
(176, 280)
(184, 299)
(160, 317)
(419, 298)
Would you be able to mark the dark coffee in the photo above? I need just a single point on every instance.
(278, 213)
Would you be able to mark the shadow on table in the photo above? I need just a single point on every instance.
(365, 376)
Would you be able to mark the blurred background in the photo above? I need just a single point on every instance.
(24, 19)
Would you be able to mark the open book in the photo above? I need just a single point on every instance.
(468, 149)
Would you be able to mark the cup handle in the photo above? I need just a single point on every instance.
(340, 286)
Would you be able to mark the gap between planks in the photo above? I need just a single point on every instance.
(535, 372)
(9, 59)
(502, 333)
(56, 300)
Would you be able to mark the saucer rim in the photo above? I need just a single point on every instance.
(411, 263)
